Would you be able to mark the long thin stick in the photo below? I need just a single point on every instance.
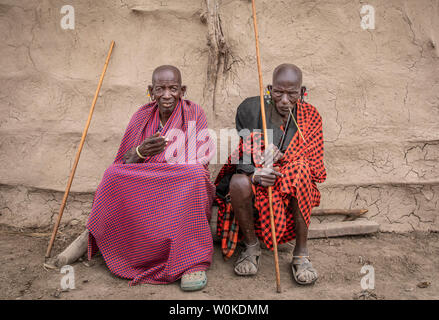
(264, 127)
(78, 154)
(298, 128)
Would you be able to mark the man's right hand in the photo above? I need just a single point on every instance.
(153, 145)
(267, 176)
(273, 155)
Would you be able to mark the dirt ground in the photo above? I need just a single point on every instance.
(406, 267)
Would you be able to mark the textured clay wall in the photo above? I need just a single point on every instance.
(377, 91)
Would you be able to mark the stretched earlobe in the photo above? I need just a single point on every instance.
(184, 91)
(267, 96)
(302, 93)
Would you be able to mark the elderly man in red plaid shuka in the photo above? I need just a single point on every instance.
(296, 167)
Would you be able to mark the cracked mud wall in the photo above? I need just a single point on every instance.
(377, 91)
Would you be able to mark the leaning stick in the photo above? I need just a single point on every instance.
(78, 154)
(264, 127)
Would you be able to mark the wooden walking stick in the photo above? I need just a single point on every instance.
(264, 127)
(78, 154)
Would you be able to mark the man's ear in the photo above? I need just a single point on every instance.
(183, 90)
(150, 91)
(302, 93)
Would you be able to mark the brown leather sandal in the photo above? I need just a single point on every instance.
(250, 254)
(302, 263)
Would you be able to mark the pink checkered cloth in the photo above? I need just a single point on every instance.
(150, 219)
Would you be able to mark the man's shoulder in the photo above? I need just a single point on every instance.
(249, 103)
(145, 107)
(248, 113)
(249, 108)
(191, 105)
(193, 108)
(142, 110)
(310, 109)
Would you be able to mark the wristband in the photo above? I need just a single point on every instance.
(138, 153)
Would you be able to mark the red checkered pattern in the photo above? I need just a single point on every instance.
(302, 166)
(150, 220)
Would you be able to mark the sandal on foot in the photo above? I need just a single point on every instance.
(249, 255)
(193, 281)
(303, 265)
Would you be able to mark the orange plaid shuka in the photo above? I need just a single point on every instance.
(302, 166)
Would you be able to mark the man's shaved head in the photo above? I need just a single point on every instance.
(166, 71)
(287, 71)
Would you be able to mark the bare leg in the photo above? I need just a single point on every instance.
(304, 270)
(241, 196)
(301, 230)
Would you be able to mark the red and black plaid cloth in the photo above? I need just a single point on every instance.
(150, 220)
(302, 166)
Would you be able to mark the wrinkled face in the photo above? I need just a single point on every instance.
(285, 92)
(167, 90)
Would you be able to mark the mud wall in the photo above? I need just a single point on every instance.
(377, 91)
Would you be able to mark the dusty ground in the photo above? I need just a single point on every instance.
(401, 263)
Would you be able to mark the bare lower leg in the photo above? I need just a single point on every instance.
(241, 196)
(242, 202)
(301, 230)
(304, 271)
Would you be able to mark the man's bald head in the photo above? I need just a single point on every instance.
(166, 88)
(287, 81)
(166, 72)
(287, 72)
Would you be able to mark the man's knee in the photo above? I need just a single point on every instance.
(240, 184)
(301, 172)
(110, 174)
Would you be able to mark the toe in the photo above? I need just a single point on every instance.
(242, 267)
(249, 268)
(303, 276)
